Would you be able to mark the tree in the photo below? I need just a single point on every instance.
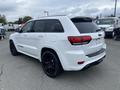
(3, 19)
(26, 18)
(20, 21)
(23, 20)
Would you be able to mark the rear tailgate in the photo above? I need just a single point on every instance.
(87, 27)
(95, 44)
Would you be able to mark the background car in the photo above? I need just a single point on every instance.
(2, 32)
(109, 24)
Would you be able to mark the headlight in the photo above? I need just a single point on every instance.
(109, 29)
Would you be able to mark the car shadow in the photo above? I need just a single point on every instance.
(86, 75)
(68, 76)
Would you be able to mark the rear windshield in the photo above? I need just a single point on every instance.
(85, 25)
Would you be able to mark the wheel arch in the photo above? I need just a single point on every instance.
(47, 48)
(53, 50)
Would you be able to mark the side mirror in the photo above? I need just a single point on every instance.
(18, 30)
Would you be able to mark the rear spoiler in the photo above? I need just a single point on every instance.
(82, 19)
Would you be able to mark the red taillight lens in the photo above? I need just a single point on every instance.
(81, 62)
(79, 40)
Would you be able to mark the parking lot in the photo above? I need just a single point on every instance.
(25, 73)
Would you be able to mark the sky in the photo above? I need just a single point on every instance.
(13, 9)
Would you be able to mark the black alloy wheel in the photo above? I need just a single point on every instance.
(51, 64)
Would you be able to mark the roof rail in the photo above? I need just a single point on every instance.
(52, 16)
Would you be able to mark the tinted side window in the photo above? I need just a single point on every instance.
(39, 26)
(53, 26)
(27, 27)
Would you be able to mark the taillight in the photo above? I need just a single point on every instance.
(79, 40)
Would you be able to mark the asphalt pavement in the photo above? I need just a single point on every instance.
(25, 73)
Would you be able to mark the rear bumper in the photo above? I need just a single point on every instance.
(94, 63)
(71, 59)
(88, 63)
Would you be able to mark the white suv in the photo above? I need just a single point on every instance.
(60, 43)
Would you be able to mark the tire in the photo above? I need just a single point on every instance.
(0, 37)
(115, 36)
(51, 64)
(13, 49)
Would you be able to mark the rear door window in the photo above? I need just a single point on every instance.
(39, 26)
(85, 25)
(53, 25)
(48, 26)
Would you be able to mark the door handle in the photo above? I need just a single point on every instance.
(25, 35)
(40, 36)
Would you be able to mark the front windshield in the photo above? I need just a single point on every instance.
(105, 21)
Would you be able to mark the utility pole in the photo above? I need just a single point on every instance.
(46, 13)
(115, 9)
